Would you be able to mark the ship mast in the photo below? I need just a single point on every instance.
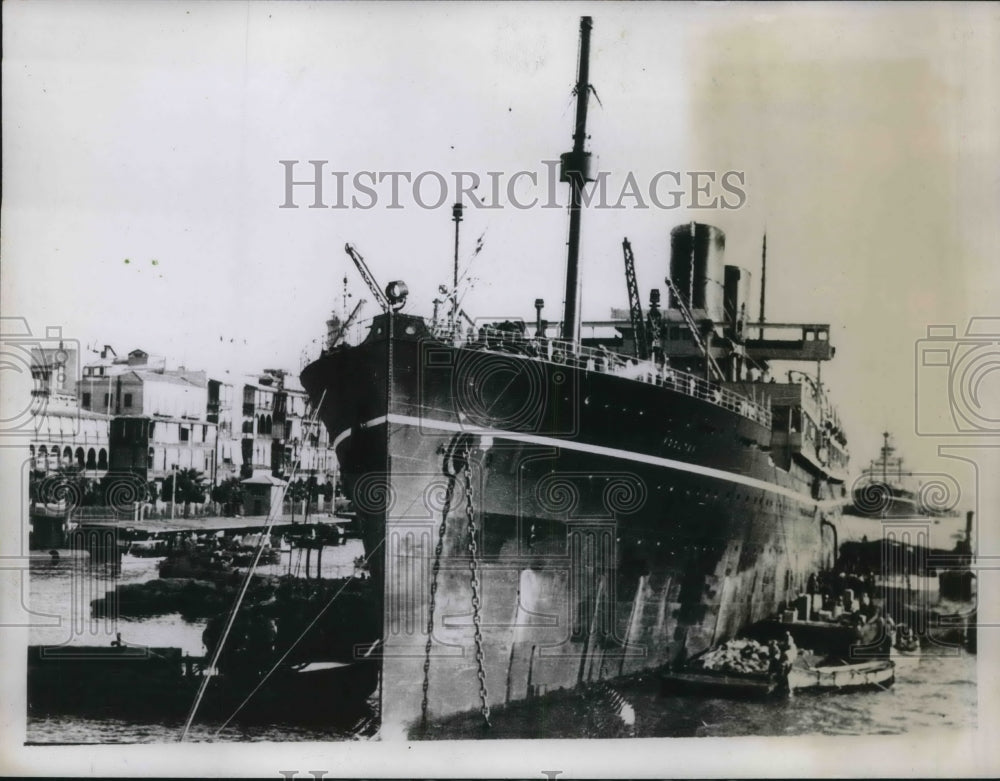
(763, 282)
(456, 215)
(576, 171)
(885, 456)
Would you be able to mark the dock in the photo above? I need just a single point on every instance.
(202, 525)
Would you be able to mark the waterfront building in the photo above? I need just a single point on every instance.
(67, 437)
(132, 414)
(155, 446)
(63, 435)
(223, 412)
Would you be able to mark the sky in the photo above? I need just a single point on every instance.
(142, 181)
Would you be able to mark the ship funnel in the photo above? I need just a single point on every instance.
(736, 300)
(697, 268)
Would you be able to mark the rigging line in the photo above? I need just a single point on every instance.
(499, 396)
(272, 517)
(295, 642)
(506, 387)
(470, 261)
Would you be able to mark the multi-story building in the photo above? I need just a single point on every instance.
(177, 394)
(64, 436)
(223, 412)
(132, 414)
(305, 443)
(158, 418)
(278, 438)
(257, 426)
(155, 446)
(67, 437)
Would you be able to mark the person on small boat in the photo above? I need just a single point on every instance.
(774, 659)
(868, 609)
(906, 639)
(789, 653)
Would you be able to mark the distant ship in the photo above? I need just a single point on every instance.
(542, 511)
(887, 490)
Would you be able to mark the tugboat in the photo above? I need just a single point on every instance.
(541, 511)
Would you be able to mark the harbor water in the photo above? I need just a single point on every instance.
(936, 690)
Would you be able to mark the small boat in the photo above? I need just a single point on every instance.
(833, 638)
(714, 683)
(138, 682)
(875, 674)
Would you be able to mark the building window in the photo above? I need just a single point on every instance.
(204, 433)
(185, 434)
(107, 399)
(86, 400)
(128, 401)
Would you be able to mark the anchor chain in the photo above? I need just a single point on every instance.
(451, 469)
(454, 464)
(470, 514)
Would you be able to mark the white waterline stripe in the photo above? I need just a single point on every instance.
(536, 439)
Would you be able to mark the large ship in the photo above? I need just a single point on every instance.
(540, 511)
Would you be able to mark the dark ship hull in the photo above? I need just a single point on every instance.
(620, 524)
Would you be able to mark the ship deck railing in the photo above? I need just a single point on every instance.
(600, 359)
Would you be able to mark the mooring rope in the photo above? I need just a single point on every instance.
(272, 517)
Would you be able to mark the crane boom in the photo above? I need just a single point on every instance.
(338, 337)
(367, 276)
(635, 304)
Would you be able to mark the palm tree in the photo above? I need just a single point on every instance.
(297, 491)
(190, 488)
(66, 484)
(228, 493)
